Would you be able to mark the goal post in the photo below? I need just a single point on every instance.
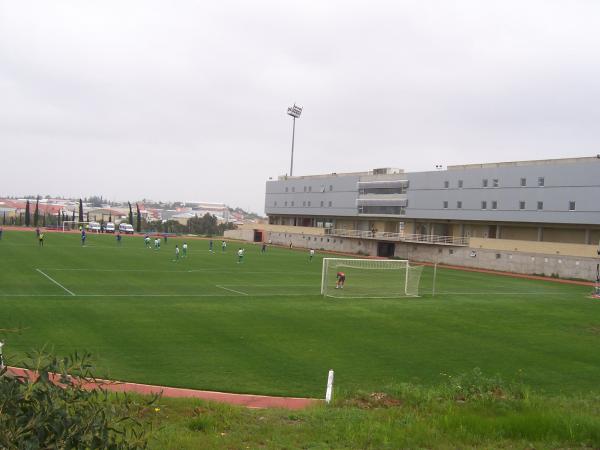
(370, 278)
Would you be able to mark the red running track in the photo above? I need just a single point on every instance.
(247, 400)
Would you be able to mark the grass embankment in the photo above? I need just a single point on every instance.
(471, 411)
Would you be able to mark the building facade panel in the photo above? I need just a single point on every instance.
(562, 192)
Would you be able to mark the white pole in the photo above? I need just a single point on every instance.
(406, 280)
(329, 392)
(323, 275)
(434, 278)
(1, 357)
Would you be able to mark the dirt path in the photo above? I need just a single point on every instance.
(247, 400)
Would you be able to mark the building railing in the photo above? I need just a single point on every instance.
(434, 239)
(388, 236)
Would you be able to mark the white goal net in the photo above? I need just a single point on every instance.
(370, 278)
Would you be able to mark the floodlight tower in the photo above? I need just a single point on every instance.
(295, 112)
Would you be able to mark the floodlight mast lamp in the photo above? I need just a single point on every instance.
(295, 112)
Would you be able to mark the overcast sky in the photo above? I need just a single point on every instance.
(187, 100)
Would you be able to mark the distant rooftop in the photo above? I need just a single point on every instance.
(379, 171)
(526, 163)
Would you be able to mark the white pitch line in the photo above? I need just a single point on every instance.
(156, 295)
(231, 290)
(55, 282)
(62, 269)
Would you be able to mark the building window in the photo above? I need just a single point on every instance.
(521, 204)
(304, 188)
(310, 189)
(495, 182)
(484, 182)
(523, 181)
(446, 184)
(383, 191)
(330, 203)
(286, 189)
(322, 203)
(275, 204)
(309, 203)
(540, 206)
(292, 203)
(484, 205)
(285, 204)
(445, 204)
(304, 203)
(390, 210)
(293, 189)
(460, 183)
(459, 204)
(541, 181)
(494, 204)
(331, 187)
(571, 206)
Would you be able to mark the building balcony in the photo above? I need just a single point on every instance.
(400, 237)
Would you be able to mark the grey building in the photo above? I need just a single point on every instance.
(546, 200)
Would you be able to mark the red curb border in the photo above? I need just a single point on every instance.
(246, 400)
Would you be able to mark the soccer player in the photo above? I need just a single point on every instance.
(0, 233)
(240, 255)
(119, 238)
(311, 254)
(176, 253)
(147, 241)
(223, 246)
(41, 239)
(184, 250)
(264, 247)
(165, 240)
(210, 246)
(156, 243)
(341, 279)
(83, 236)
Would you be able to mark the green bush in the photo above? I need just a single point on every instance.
(39, 413)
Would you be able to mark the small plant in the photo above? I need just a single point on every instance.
(51, 409)
(476, 385)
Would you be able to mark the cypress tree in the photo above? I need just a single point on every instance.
(36, 213)
(80, 210)
(27, 214)
(139, 218)
(130, 214)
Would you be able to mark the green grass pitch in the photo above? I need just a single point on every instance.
(261, 327)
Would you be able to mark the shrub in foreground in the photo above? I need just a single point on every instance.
(38, 412)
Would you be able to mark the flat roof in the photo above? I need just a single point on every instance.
(556, 161)
(525, 163)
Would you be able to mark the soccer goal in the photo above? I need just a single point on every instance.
(69, 224)
(370, 278)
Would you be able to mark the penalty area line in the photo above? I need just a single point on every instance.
(231, 290)
(55, 282)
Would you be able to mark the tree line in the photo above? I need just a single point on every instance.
(207, 224)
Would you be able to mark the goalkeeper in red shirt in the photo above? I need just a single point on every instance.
(341, 279)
